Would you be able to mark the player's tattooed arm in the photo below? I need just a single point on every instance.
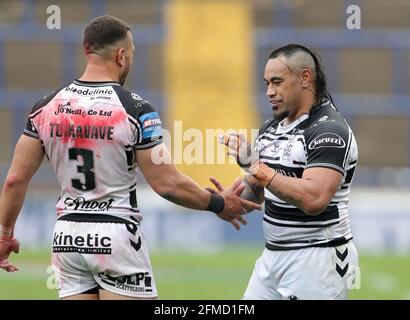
(311, 193)
(253, 191)
(286, 197)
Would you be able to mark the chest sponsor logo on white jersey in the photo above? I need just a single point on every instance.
(81, 204)
(328, 140)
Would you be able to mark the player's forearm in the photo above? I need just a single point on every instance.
(186, 192)
(11, 201)
(27, 158)
(298, 192)
(171, 184)
(305, 194)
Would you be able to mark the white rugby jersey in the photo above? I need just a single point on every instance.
(321, 138)
(89, 131)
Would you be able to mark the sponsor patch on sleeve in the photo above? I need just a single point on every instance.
(327, 140)
(150, 125)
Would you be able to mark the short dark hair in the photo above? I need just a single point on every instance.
(320, 81)
(102, 32)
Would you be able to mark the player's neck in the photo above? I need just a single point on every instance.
(97, 72)
(303, 109)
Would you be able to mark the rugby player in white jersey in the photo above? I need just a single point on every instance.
(95, 133)
(303, 168)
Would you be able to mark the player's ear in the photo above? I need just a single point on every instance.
(306, 77)
(120, 57)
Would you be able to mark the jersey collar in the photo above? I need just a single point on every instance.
(95, 83)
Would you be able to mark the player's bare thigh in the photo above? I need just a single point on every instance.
(107, 295)
(104, 295)
(82, 296)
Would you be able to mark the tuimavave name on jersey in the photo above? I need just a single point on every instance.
(81, 131)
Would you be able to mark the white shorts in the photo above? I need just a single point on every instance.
(109, 255)
(311, 273)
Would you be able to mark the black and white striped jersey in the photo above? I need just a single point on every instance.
(89, 131)
(321, 138)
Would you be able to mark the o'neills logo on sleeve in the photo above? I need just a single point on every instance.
(327, 140)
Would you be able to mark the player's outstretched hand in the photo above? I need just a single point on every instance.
(235, 206)
(6, 247)
(239, 148)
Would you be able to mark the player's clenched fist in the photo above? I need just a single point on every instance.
(239, 148)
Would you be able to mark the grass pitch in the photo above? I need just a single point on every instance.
(220, 275)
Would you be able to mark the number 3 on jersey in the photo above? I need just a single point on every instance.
(86, 168)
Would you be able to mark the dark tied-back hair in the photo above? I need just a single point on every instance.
(102, 32)
(320, 81)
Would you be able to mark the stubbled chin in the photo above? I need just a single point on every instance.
(278, 115)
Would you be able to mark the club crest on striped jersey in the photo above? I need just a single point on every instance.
(327, 140)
